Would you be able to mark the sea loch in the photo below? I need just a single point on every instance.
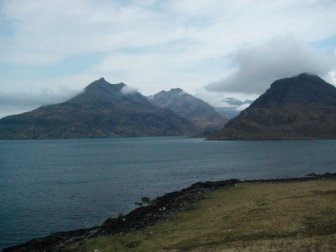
(57, 185)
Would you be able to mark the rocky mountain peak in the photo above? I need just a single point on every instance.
(176, 90)
(102, 110)
(103, 85)
(300, 107)
(301, 89)
(190, 107)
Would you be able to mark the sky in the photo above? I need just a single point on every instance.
(214, 49)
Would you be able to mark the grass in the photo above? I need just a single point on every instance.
(269, 216)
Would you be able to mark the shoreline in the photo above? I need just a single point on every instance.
(154, 211)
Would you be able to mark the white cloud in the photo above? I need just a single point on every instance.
(258, 66)
(218, 99)
(151, 44)
(32, 99)
(126, 90)
(21, 101)
(51, 30)
(331, 77)
(6, 110)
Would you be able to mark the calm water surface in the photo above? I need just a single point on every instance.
(56, 185)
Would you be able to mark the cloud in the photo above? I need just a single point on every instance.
(256, 67)
(152, 44)
(44, 32)
(218, 99)
(126, 90)
(22, 101)
(31, 99)
(6, 110)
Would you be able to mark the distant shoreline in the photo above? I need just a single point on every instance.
(144, 216)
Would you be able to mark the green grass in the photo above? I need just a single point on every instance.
(272, 216)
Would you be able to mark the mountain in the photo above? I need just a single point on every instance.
(231, 107)
(228, 112)
(102, 110)
(301, 107)
(198, 112)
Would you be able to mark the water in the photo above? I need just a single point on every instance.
(56, 185)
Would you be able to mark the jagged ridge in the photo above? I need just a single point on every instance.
(201, 114)
(102, 110)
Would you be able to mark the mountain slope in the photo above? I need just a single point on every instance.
(201, 114)
(231, 107)
(102, 110)
(301, 107)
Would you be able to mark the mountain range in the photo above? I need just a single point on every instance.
(195, 110)
(231, 107)
(300, 107)
(101, 110)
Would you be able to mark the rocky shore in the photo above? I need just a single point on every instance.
(144, 216)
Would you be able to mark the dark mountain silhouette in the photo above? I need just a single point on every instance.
(102, 110)
(198, 112)
(301, 107)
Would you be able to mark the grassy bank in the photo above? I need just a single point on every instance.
(256, 216)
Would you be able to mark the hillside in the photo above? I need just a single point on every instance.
(231, 107)
(198, 112)
(267, 215)
(278, 216)
(101, 110)
(301, 107)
